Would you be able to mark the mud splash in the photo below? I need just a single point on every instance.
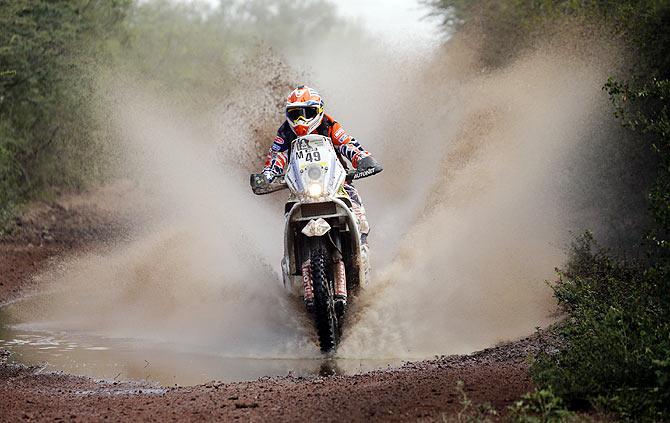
(199, 271)
(472, 218)
(468, 219)
(165, 363)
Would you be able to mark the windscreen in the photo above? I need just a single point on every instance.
(315, 172)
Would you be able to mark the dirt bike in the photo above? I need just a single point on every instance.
(323, 260)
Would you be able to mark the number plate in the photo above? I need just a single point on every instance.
(310, 151)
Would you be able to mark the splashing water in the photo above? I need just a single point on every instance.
(467, 220)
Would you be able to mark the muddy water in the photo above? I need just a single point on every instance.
(121, 359)
(165, 363)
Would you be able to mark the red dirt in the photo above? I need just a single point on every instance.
(418, 391)
(424, 390)
(17, 264)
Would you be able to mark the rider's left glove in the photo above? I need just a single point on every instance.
(269, 177)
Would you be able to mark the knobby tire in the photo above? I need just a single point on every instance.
(324, 306)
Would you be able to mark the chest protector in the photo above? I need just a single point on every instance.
(324, 130)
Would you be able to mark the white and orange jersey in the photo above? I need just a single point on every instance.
(345, 145)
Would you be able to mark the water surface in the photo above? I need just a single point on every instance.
(165, 363)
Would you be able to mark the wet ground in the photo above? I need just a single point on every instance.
(423, 391)
(166, 363)
(314, 390)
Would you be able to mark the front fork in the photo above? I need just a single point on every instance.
(307, 284)
(340, 279)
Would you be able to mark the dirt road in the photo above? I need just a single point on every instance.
(418, 391)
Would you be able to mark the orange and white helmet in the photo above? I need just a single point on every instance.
(304, 110)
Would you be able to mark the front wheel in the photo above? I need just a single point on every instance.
(327, 326)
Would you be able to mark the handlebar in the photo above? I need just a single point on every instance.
(261, 186)
(364, 173)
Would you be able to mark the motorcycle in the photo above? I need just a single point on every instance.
(323, 261)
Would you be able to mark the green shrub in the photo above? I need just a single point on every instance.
(56, 54)
(615, 339)
(643, 105)
(471, 412)
(46, 48)
(617, 334)
(507, 27)
(540, 406)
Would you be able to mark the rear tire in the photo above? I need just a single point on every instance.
(327, 326)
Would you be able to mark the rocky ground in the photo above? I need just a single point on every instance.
(425, 391)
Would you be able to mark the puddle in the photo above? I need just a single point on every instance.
(165, 363)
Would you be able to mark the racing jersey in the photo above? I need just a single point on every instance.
(345, 146)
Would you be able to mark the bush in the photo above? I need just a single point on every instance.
(615, 338)
(643, 105)
(507, 27)
(540, 406)
(45, 133)
(471, 412)
(56, 54)
(617, 333)
(618, 324)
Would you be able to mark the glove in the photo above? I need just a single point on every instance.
(264, 183)
(269, 177)
(259, 180)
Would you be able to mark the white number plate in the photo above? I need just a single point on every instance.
(310, 151)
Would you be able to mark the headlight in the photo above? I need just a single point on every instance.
(314, 173)
(315, 190)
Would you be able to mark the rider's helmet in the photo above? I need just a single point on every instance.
(304, 110)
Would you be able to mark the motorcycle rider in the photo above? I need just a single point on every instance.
(305, 115)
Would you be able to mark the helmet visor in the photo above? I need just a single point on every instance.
(307, 113)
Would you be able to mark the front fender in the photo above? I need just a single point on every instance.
(294, 215)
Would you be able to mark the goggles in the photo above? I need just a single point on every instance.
(304, 113)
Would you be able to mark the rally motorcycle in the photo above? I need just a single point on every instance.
(323, 261)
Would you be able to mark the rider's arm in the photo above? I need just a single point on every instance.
(276, 159)
(347, 145)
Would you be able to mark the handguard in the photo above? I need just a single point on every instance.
(368, 166)
(260, 185)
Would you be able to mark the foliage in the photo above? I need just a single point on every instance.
(617, 332)
(183, 50)
(45, 50)
(540, 406)
(193, 51)
(471, 412)
(644, 107)
(618, 327)
(55, 55)
(508, 26)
